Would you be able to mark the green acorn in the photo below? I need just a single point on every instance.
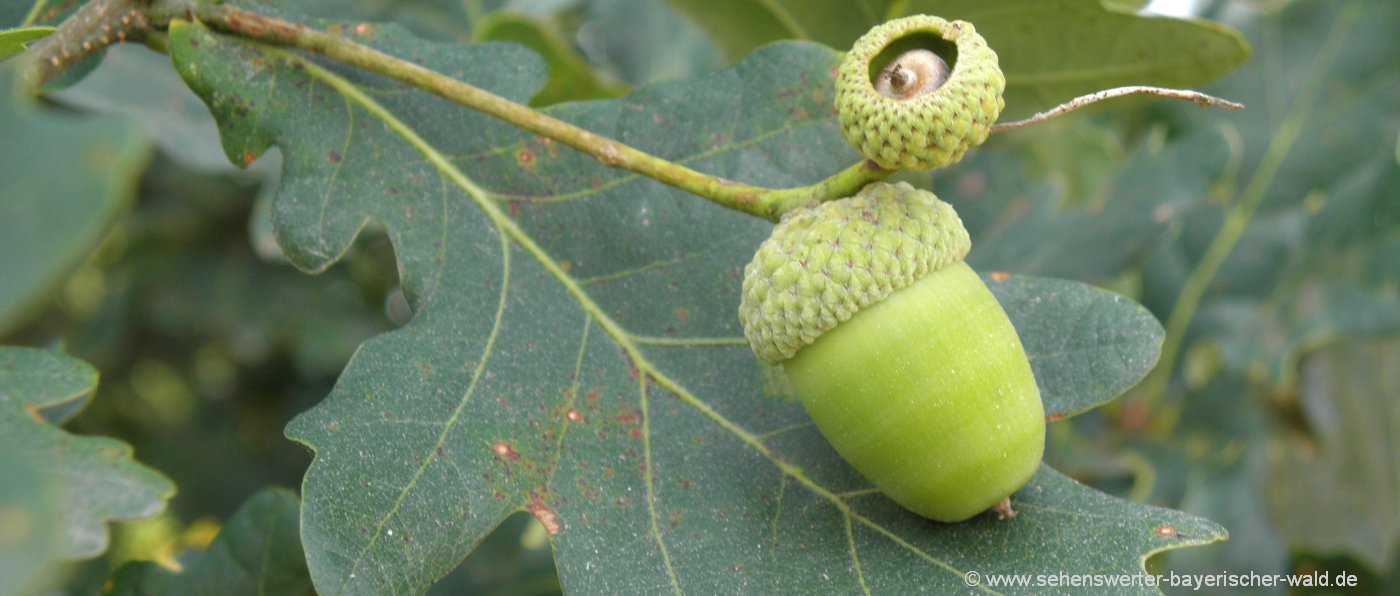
(917, 92)
(900, 353)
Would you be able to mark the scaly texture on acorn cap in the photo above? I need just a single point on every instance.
(824, 263)
(930, 130)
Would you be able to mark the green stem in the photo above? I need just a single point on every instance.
(1240, 215)
(763, 202)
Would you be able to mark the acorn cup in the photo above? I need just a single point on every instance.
(899, 352)
(918, 92)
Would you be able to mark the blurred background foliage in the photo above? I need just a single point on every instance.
(1280, 419)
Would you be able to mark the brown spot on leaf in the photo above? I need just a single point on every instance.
(505, 451)
(334, 156)
(364, 29)
(526, 158)
(1055, 416)
(574, 415)
(1000, 276)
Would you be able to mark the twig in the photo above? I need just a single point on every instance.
(102, 22)
(767, 203)
(1201, 99)
(96, 25)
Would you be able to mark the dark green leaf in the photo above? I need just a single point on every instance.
(50, 218)
(51, 386)
(257, 552)
(94, 478)
(1086, 345)
(598, 380)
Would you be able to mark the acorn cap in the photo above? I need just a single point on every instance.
(824, 263)
(926, 131)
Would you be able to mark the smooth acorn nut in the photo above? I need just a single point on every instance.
(901, 355)
(918, 92)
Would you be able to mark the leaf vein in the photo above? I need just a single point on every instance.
(649, 475)
(855, 556)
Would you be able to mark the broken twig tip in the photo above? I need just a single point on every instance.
(1200, 99)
